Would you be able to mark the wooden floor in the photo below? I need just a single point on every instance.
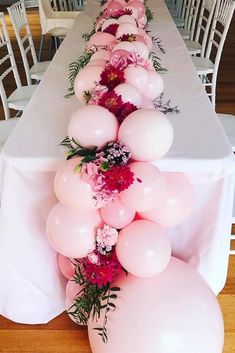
(61, 335)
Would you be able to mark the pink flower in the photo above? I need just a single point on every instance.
(107, 237)
(93, 258)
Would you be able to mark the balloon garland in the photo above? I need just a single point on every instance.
(114, 204)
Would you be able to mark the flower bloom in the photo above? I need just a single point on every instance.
(107, 236)
(111, 77)
(118, 178)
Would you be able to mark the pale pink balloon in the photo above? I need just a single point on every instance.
(65, 266)
(99, 23)
(143, 249)
(129, 93)
(148, 133)
(72, 233)
(178, 203)
(127, 19)
(136, 76)
(86, 80)
(142, 49)
(104, 7)
(141, 31)
(138, 6)
(135, 13)
(155, 85)
(71, 190)
(119, 53)
(113, 8)
(97, 62)
(108, 22)
(125, 45)
(147, 103)
(73, 289)
(126, 28)
(148, 189)
(148, 41)
(93, 125)
(140, 38)
(142, 21)
(117, 215)
(173, 312)
(101, 39)
(122, 2)
(101, 54)
(71, 309)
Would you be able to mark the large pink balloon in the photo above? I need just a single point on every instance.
(142, 49)
(101, 54)
(173, 312)
(125, 45)
(178, 203)
(154, 86)
(136, 76)
(113, 8)
(127, 19)
(72, 233)
(93, 125)
(117, 215)
(71, 190)
(148, 189)
(129, 93)
(101, 39)
(126, 28)
(148, 133)
(142, 249)
(138, 6)
(65, 266)
(86, 80)
(72, 289)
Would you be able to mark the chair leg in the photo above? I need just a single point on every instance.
(40, 48)
(51, 46)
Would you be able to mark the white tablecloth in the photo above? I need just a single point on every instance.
(31, 289)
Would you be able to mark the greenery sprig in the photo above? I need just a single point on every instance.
(75, 149)
(165, 107)
(156, 63)
(149, 14)
(157, 41)
(87, 36)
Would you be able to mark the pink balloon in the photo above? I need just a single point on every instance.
(71, 190)
(101, 39)
(86, 80)
(173, 312)
(148, 133)
(126, 28)
(101, 54)
(129, 93)
(148, 189)
(99, 23)
(142, 249)
(127, 19)
(177, 205)
(136, 76)
(113, 8)
(108, 22)
(72, 233)
(142, 21)
(140, 38)
(141, 31)
(142, 49)
(125, 45)
(72, 289)
(98, 62)
(148, 41)
(138, 6)
(117, 215)
(147, 103)
(119, 53)
(135, 13)
(122, 2)
(93, 125)
(154, 86)
(65, 266)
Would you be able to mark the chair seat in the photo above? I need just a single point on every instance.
(228, 123)
(179, 22)
(193, 47)
(20, 97)
(6, 126)
(204, 66)
(185, 34)
(37, 70)
(58, 32)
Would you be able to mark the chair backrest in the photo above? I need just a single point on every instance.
(23, 35)
(7, 63)
(185, 11)
(222, 18)
(192, 17)
(204, 22)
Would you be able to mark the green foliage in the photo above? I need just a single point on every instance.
(156, 63)
(149, 14)
(87, 36)
(75, 149)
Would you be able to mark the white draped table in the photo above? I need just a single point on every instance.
(31, 289)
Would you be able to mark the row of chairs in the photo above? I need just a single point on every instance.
(204, 25)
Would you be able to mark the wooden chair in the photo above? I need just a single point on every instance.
(207, 67)
(24, 38)
(22, 94)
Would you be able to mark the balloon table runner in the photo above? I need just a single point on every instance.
(115, 205)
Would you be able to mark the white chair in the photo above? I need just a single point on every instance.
(21, 27)
(207, 67)
(184, 14)
(198, 45)
(187, 32)
(20, 97)
(54, 23)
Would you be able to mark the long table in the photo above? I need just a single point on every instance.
(31, 289)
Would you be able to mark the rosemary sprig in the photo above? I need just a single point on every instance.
(165, 107)
(156, 63)
(75, 149)
(87, 36)
(157, 41)
(149, 14)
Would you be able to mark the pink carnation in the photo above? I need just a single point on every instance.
(107, 237)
